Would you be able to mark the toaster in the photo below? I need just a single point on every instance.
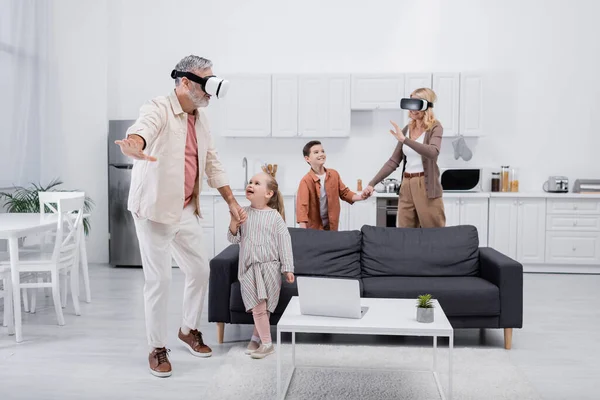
(557, 184)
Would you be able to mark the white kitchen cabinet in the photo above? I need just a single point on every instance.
(503, 226)
(573, 247)
(531, 230)
(517, 228)
(573, 231)
(474, 211)
(246, 110)
(324, 106)
(377, 91)
(471, 104)
(468, 211)
(415, 81)
(362, 213)
(446, 86)
(289, 202)
(452, 210)
(285, 106)
(344, 223)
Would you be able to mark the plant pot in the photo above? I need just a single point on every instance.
(425, 315)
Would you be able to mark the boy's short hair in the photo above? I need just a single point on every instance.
(308, 146)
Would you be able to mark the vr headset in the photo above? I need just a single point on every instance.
(415, 104)
(210, 84)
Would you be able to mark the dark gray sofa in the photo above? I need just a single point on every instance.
(478, 287)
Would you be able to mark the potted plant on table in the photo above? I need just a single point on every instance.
(26, 200)
(425, 308)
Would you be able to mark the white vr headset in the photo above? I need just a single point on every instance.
(210, 84)
(415, 104)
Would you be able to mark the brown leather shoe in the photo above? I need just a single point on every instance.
(194, 343)
(159, 363)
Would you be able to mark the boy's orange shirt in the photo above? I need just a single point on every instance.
(308, 209)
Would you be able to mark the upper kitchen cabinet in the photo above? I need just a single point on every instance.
(446, 86)
(377, 91)
(285, 106)
(246, 110)
(471, 104)
(324, 105)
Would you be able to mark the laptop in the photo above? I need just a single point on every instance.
(330, 297)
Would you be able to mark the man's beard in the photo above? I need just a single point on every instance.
(199, 101)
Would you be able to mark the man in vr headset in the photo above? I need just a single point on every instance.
(173, 149)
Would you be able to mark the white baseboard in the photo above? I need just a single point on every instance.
(561, 268)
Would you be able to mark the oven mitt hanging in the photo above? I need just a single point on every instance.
(461, 149)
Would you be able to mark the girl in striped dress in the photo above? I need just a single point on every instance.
(265, 254)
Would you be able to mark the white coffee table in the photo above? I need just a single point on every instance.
(384, 317)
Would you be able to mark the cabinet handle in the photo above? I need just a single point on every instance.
(575, 207)
(574, 248)
(457, 202)
(575, 223)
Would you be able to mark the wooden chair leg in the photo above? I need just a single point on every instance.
(220, 332)
(508, 338)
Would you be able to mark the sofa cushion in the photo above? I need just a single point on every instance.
(458, 296)
(450, 251)
(326, 253)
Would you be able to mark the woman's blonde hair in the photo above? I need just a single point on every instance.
(430, 96)
(275, 202)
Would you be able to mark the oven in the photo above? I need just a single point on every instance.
(387, 211)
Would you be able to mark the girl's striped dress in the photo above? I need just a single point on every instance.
(265, 253)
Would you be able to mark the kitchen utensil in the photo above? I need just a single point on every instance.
(390, 185)
(586, 186)
(556, 184)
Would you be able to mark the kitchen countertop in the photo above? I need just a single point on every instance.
(446, 194)
(538, 194)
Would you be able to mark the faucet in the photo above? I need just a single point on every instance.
(245, 165)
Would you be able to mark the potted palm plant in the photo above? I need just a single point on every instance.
(425, 308)
(26, 200)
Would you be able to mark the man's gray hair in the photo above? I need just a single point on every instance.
(191, 63)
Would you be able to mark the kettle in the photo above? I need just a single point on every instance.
(390, 185)
(556, 184)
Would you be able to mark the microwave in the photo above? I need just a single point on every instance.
(461, 179)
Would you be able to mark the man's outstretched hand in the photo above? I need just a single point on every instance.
(132, 147)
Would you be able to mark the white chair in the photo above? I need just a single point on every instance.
(6, 294)
(64, 258)
(48, 201)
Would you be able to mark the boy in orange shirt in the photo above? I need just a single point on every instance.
(320, 191)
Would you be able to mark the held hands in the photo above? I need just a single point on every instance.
(397, 132)
(237, 213)
(132, 147)
(289, 277)
(367, 192)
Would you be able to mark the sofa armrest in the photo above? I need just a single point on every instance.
(223, 272)
(507, 274)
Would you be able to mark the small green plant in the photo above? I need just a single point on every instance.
(26, 200)
(425, 301)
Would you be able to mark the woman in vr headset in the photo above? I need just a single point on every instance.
(419, 142)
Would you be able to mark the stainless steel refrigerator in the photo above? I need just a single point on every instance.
(124, 248)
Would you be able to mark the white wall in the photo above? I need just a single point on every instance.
(530, 74)
(75, 149)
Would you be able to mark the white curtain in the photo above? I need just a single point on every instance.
(23, 78)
